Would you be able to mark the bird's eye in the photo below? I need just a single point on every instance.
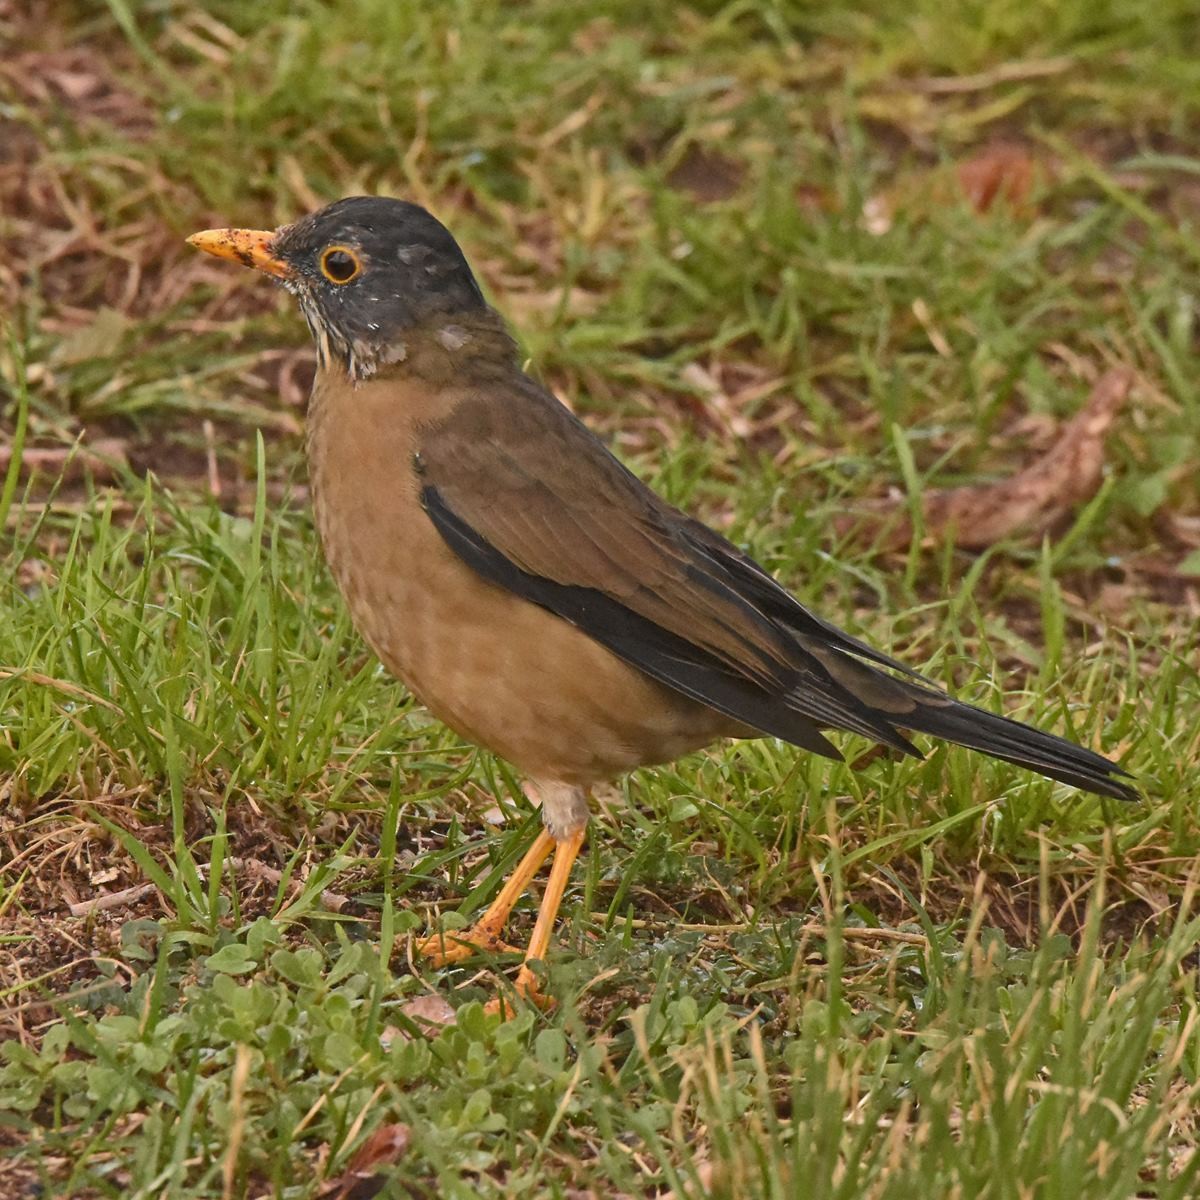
(339, 264)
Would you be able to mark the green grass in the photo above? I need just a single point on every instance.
(776, 976)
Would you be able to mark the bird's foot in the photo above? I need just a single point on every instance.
(525, 987)
(453, 946)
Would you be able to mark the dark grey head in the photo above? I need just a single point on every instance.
(367, 271)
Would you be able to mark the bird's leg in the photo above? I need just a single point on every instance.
(444, 948)
(566, 850)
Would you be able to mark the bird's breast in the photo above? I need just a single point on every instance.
(497, 669)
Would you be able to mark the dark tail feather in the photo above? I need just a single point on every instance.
(904, 705)
(1010, 740)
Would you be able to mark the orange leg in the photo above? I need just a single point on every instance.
(443, 948)
(526, 984)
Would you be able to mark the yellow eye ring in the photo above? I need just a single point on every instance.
(340, 264)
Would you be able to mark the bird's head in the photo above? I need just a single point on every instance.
(368, 271)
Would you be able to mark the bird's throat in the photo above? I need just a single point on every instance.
(445, 351)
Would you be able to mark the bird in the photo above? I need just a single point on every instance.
(529, 589)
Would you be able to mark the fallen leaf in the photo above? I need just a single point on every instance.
(429, 1012)
(1028, 504)
(1002, 171)
(362, 1178)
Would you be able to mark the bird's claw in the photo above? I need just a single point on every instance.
(446, 947)
(525, 987)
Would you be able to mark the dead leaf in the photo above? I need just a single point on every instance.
(429, 1012)
(362, 1178)
(1002, 171)
(999, 172)
(1028, 504)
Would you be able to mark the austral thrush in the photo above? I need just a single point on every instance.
(530, 590)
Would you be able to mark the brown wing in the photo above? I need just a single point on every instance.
(526, 494)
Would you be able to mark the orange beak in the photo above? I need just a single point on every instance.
(250, 247)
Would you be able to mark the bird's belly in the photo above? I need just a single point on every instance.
(497, 669)
(524, 683)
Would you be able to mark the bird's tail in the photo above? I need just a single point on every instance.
(886, 706)
(1014, 742)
